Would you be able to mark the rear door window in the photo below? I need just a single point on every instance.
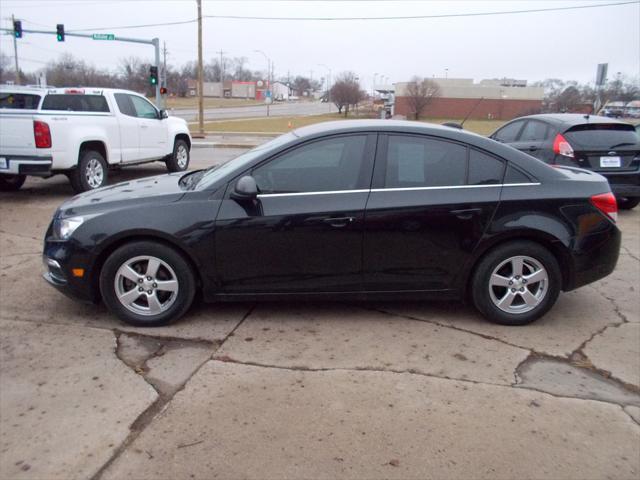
(603, 136)
(509, 132)
(20, 101)
(424, 162)
(534, 131)
(75, 103)
(124, 104)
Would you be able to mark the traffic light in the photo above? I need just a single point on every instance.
(163, 90)
(17, 28)
(153, 75)
(60, 32)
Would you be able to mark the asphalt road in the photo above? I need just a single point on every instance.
(275, 110)
(372, 390)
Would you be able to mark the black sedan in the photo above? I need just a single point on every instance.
(604, 145)
(342, 210)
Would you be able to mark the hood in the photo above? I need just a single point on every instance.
(156, 190)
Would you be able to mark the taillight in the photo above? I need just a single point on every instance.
(606, 203)
(42, 134)
(562, 147)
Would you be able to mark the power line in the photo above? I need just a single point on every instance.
(401, 17)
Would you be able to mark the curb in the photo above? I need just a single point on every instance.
(222, 145)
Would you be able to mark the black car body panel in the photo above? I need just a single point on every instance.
(366, 241)
(592, 138)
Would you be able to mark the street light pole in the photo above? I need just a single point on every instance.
(328, 84)
(200, 73)
(373, 87)
(268, 75)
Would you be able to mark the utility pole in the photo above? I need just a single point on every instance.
(221, 73)
(15, 52)
(200, 73)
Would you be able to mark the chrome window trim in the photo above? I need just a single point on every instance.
(407, 189)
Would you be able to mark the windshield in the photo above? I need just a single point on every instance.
(239, 163)
(602, 136)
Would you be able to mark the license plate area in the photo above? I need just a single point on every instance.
(610, 162)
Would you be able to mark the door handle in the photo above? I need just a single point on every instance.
(340, 222)
(533, 148)
(144, 126)
(465, 213)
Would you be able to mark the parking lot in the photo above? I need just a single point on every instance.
(311, 390)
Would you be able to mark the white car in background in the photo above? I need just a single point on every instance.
(82, 132)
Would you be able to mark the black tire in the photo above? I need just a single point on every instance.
(91, 172)
(11, 183)
(177, 161)
(483, 293)
(627, 203)
(112, 283)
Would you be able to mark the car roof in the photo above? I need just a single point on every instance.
(570, 119)
(345, 126)
(532, 165)
(62, 90)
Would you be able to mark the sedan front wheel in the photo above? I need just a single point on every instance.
(147, 284)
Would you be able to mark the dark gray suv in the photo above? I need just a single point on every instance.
(604, 145)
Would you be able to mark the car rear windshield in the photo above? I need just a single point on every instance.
(75, 103)
(22, 101)
(602, 136)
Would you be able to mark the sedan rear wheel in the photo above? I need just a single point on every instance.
(516, 283)
(147, 284)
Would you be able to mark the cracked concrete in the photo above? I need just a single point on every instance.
(624, 362)
(66, 401)
(348, 424)
(319, 337)
(389, 390)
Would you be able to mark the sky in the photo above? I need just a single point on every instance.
(533, 46)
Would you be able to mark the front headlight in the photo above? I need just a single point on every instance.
(64, 227)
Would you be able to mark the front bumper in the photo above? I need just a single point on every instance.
(59, 259)
(25, 165)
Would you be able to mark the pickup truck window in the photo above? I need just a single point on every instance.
(75, 103)
(135, 106)
(21, 101)
(143, 108)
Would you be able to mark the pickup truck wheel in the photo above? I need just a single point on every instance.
(11, 183)
(91, 172)
(179, 160)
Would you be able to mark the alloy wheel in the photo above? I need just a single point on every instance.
(94, 173)
(518, 284)
(146, 285)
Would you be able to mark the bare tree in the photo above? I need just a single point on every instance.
(420, 93)
(346, 91)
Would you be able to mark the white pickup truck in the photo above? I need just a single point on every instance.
(82, 132)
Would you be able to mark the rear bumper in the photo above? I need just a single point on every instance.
(594, 257)
(624, 184)
(25, 165)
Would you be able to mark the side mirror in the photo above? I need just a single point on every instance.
(246, 189)
(163, 114)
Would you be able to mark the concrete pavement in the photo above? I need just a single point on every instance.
(311, 390)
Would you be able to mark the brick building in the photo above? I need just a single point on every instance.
(502, 99)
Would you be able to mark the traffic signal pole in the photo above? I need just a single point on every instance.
(100, 36)
(15, 52)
